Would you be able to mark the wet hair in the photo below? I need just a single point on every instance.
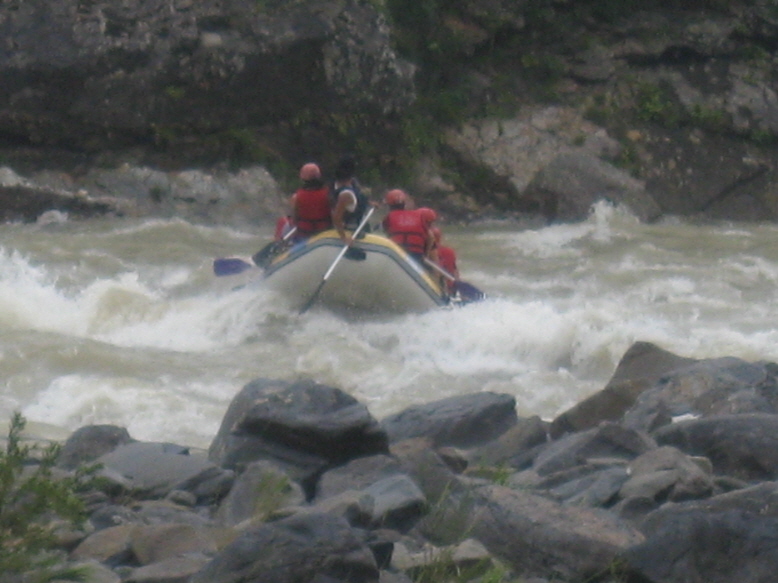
(346, 168)
(314, 184)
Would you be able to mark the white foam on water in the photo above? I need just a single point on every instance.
(157, 348)
(155, 410)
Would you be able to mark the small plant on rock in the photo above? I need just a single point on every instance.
(31, 499)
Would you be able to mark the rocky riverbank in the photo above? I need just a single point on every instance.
(666, 475)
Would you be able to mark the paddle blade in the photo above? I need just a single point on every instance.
(230, 266)
(265, 256)
(468, 292)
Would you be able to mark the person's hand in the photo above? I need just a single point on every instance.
(348, 240)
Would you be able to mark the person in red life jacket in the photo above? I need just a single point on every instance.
(446, 258)
(408, 228)
(349, 202)
(311, 203)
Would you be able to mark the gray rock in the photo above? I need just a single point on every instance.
(702, 546)
(173, 570)
(639, 369)
(27, 203)
(113, 515)
(387, 496)
(597, 489)
(514, 447)
(666, 473)
(464, 421)
(716, 386)
(398, 503)
(609, 440)
(573, 181)
(294, 549)
(303, 426)
(744, 446)
(110, 546)
(88, 443)
(160, 542)
(761, 498)
(156, 468)
(541, 538)
(357, 475)
(258, 491)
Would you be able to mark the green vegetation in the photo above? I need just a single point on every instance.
(175, 93)
(31, 498)
(762, 137)
(443, 569)
(654, 104)
(708, 118)
(628, 158)
(272, 492)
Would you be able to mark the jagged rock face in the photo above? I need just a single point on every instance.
(85, 73)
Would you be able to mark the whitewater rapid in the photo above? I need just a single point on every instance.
(123, 322)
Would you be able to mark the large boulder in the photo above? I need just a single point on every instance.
(463, 420)
(389, 496)
(303, 426)
(157, 469)
(88, 443)
(742, 446)
(706, 546)
(541, 538)
(639, 369)
(715, 386)
(574, 181)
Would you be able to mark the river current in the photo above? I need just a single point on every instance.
(123, 322)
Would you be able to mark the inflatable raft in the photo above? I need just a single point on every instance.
(375, 275)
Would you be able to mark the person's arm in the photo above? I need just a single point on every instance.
(429, 244)
(454, 267)
(293, 207)
(346, 199)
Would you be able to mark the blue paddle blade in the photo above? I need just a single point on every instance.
(230, 266)
(468, 292)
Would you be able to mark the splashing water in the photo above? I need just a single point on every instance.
(123, 322)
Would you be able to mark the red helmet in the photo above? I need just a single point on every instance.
(436, 234)
(395, 197)
(310, 171)
(428, 214)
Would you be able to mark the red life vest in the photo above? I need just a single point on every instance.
(408, 229)
(312, 211)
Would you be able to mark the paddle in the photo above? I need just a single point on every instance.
(264, 256)
(324, 279)
(230, 266)
(467, 291)
(235, 265)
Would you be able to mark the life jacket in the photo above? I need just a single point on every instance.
(312, 211)
(351, 219)
(408, 229)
